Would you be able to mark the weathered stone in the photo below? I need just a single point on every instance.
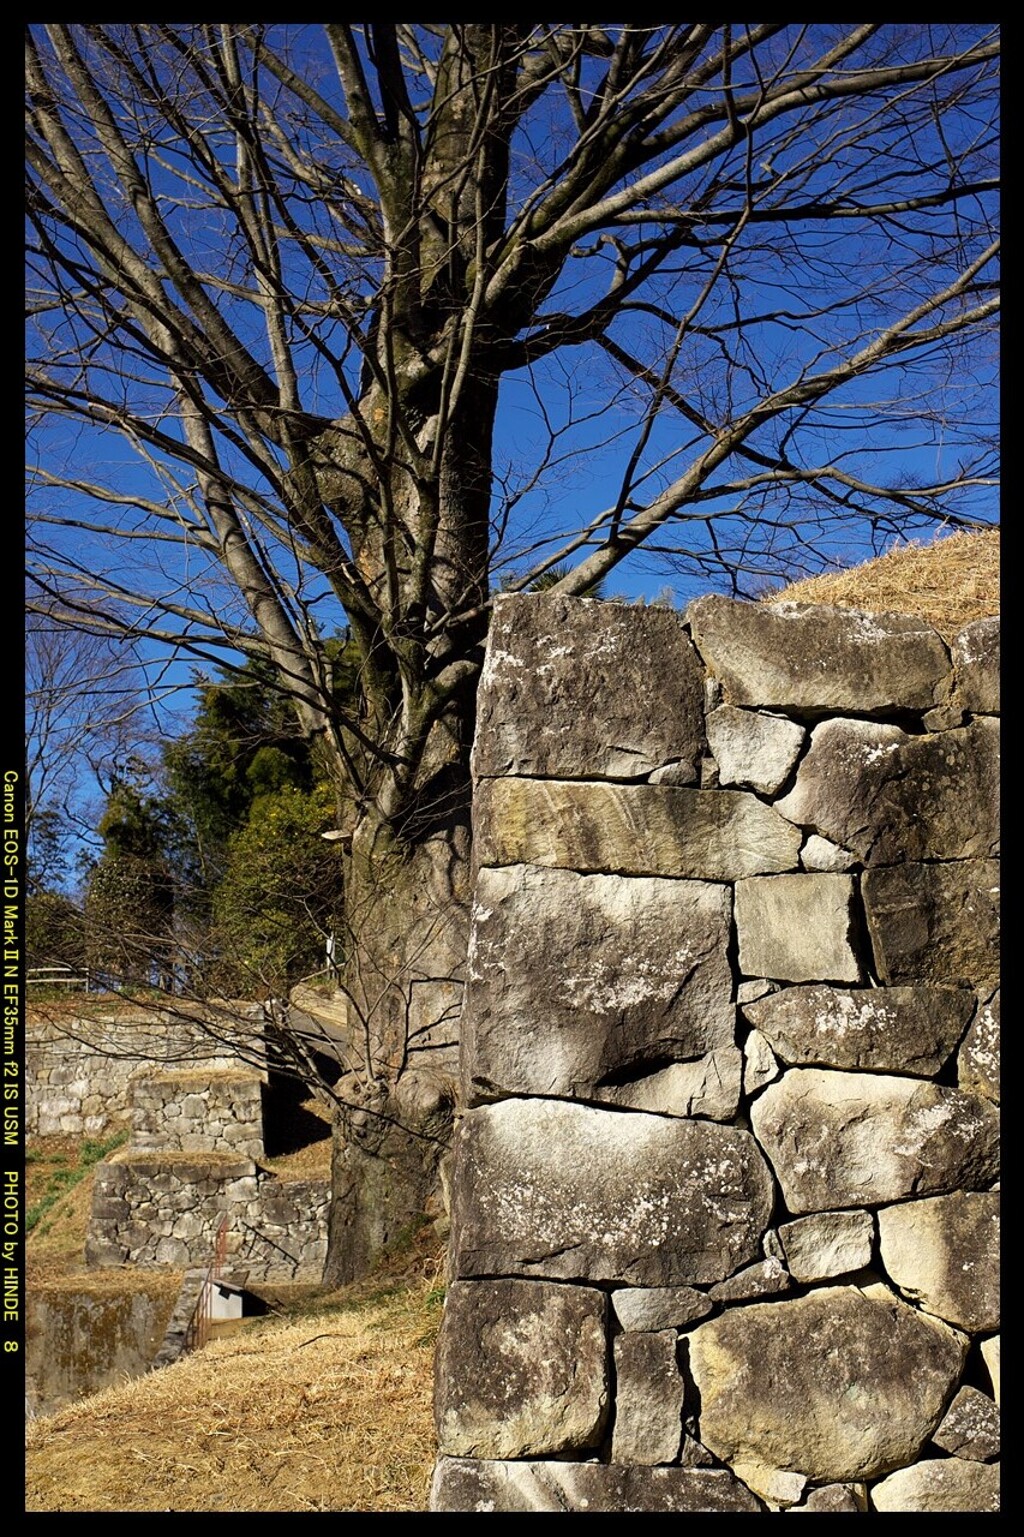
(990, 1356)
(577, 689)
(756, 751)
(944, 1254)
(469, 1484)
(971, 1427)
(978, 1057)
(976, 664)
(798, 928)
(819, 660)
(765, 1279)
(648, 1399)
(828, 1244)
(820, 854)
(521, 1369)
(693, 1454)
(754, 988)
(778, 1488)
(910, 1030)
(950, 1483)
(894, 798)
(715, 835)
(649, 1308)
(635, 970)
(708, 1087)
(835, 1498)
(759, 1063)
(860, 1139)
(835, 1385)
(544, 1187)
(935, 922)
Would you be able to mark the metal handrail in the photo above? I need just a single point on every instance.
(198, 1331)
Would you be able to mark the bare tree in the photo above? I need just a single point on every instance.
(284, 282)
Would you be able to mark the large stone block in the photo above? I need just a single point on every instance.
(976, 662)
(816, 660)
(634, 971)
(935, 922)
(839, 1384)
(714, 835)
(837, 1139)
(893, 798)
(896, 1029)
(578, 689)
(548, 1188)
(951, 1483)
(648, 1399)
(943, 1253)
(466, 1484)
(522, 1369)
(798, 928)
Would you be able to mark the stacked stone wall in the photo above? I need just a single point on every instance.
(164, 1208)
(725, 1189)
(81, 1070)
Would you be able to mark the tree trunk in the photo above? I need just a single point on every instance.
(407, 904)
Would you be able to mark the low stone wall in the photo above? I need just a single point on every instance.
(725, 1209)
(80, 1069)
(164, 1208)
(218, 1110)
(81, 1338)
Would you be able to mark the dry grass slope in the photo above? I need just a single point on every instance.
(948, 583)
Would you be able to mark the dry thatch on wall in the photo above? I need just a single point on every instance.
(948, 583)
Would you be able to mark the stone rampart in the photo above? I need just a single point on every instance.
(725, 1188)
(81, 1069)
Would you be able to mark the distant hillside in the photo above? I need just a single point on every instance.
(948, 583)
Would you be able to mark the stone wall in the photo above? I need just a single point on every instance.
(219, 1110)
(80, 1069)
(725, 1209)
(164, 1208)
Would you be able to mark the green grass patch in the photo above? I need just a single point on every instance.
(64, 1179)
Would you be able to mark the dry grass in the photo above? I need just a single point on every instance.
(329, 1412)
(948, 583)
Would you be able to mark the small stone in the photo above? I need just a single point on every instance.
(835, 1498)
(760, 1064)
(650, 1308)
(709, 1087)
(648, 1399)
(798, 928)
(951, 1483)
(943, 1253)
(822, 854)
(754, 988)
(764, 1279)
(753, 750)
(971, 1427)
(990, 1356)
(828, 1244)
